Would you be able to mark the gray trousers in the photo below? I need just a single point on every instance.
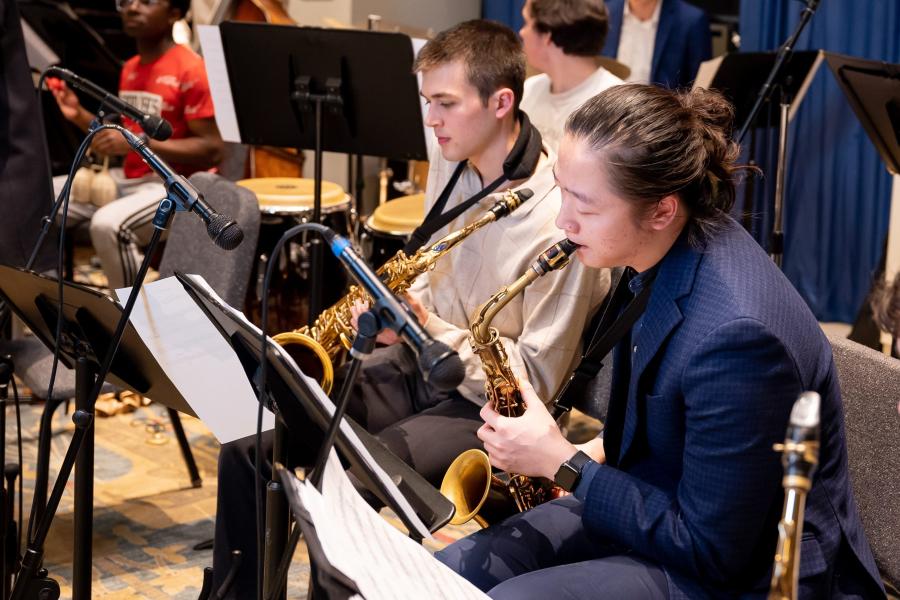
(122, 228)
(546, 553)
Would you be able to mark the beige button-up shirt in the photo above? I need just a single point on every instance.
(541, 328)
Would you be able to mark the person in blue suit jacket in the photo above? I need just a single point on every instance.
(682, 41)
(682, 496)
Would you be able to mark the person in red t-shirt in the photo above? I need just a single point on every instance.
(164, 79)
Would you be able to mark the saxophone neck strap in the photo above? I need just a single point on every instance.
(606, 335)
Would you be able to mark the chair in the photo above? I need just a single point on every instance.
(870, 388)
(189, 250)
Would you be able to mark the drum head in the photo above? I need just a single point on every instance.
(399, 216)
(291, 195)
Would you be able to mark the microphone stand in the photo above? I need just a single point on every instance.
(776, 240)
(89, 381)
(368, 327)
(784, 54)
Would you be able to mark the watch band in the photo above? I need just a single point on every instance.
(569, 472)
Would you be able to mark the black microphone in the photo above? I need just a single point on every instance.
(440, 365)
(224, 231)
(155, 127)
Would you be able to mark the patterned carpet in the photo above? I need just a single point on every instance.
(147, 517)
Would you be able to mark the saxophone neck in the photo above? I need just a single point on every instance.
(509, 202)
(481, 324)
(553, 258)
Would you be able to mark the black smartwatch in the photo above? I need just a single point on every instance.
(570, 471)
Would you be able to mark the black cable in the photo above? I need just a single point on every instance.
(21, 462)
(261, 383)
(64, 194)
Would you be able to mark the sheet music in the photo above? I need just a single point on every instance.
(401, 503)
(219, 84)
(384, 563)
(707, 72)
(198, 360)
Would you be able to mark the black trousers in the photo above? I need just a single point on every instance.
(422, 426)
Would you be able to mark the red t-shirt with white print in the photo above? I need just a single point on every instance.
(174, 86)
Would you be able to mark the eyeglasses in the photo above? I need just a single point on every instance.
(122, 5)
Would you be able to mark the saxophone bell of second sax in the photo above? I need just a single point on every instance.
(469, 482)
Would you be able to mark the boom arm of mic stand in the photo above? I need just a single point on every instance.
(783, 54)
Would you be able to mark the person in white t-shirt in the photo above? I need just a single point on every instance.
(563, 38)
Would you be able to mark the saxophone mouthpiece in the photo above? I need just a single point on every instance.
(511, 201)
(555, 257)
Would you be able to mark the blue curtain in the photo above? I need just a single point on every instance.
(838, 191)
(508, 12)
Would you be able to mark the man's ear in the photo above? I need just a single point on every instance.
(505, 99)
(665, 212)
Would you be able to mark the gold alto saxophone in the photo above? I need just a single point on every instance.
(317, 349)
(469, 484)
(800, 455)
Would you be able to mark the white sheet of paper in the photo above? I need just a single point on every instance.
(384, 563)
(198, 360)
(219, 84)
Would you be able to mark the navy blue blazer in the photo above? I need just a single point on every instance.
(724, 348)
(683, 41)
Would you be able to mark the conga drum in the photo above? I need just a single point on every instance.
(285, 202)
(388, 228)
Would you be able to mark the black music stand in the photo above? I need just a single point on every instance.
(305, 417)
(740, 76)
(330, 90)
(873, 90)
(89, 321)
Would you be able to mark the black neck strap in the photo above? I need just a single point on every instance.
(606, 335)
(520, 163)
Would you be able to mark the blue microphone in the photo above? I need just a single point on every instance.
(441, 366)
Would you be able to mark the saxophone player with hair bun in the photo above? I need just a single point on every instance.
(713, 345)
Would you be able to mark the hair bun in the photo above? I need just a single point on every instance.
(711, 108)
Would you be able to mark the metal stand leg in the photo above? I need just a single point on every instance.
(85, 374)
(186, 452)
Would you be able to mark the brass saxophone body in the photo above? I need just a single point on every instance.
(317, 349)
(469, 484)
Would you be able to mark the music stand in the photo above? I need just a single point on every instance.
(306, 418)
(333, 90)
(740, 76)
(89, 320)
(873, 90)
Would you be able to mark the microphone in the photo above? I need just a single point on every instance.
(440, 365)
(223, 231)
(155, 127)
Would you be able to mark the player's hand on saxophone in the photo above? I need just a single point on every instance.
(531, 444)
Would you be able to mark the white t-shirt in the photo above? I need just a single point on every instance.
(548, 112)
(637, 42)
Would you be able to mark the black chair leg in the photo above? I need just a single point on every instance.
(186, 452)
